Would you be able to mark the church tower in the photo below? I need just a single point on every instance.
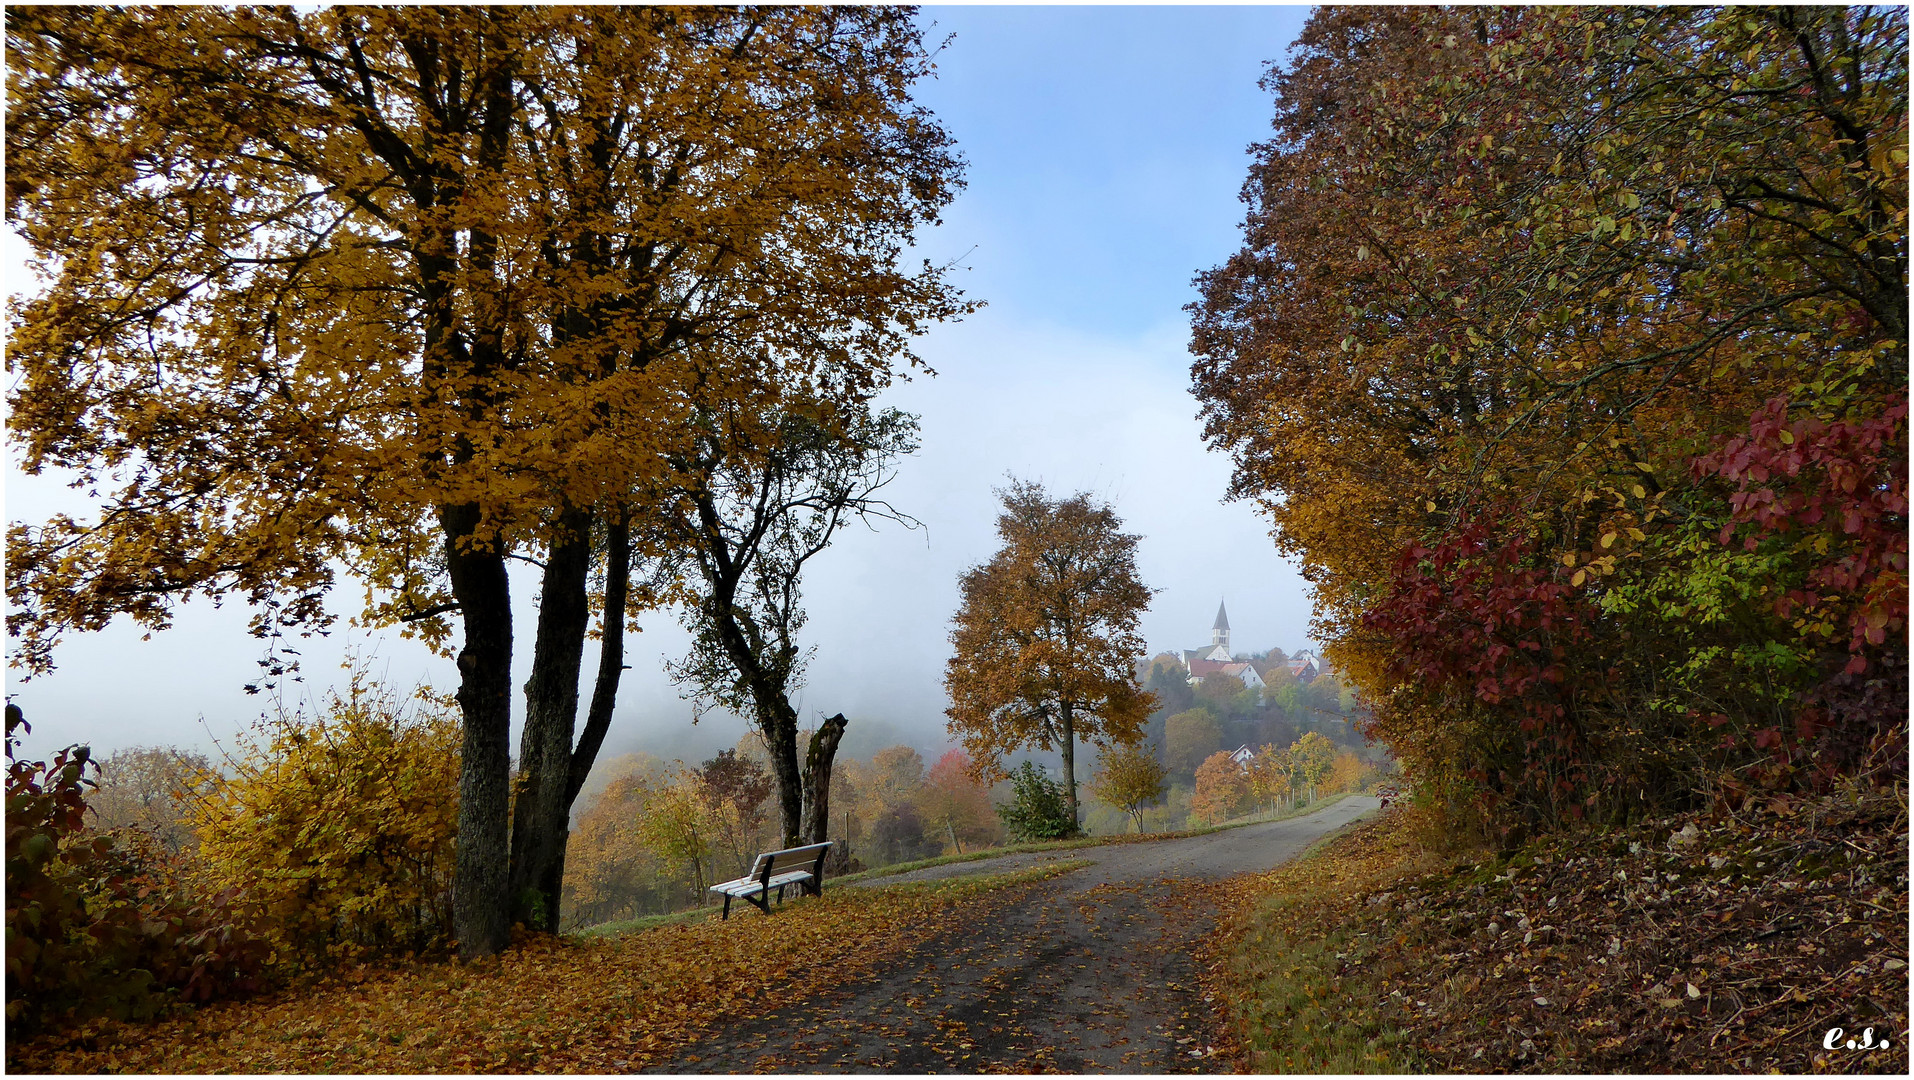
(1219, 633)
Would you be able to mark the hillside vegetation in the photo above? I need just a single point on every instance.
(1727, 941)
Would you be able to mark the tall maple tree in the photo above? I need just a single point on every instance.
(418, 291)
(1045, 637)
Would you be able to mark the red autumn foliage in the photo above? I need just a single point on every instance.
(1841, 484)
(1473, 610)
(104, 923)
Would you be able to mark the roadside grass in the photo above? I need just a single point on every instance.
(649, 922)
(1298, 980)
(548, 1004)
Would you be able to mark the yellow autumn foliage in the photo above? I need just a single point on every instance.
(338, 830)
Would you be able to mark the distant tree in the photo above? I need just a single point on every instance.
(896, 775)
(609, 873)
(1275, 678)
(1169, 684)
(898, 836)
(1222, 789)
(1272, 775)
(1289, 698)
(1189, 737)
(1226, 696)
(734, 789)
(955, 804)
(1130, 778)
(1046, 634)
(152, 788)
(1037, 809)
(1345, 773)
(1314, 756)
(676, 826)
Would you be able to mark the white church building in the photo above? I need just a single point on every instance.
(1216, 659)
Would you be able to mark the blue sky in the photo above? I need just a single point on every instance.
(1106, 148)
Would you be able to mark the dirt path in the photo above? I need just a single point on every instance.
(1090, 972)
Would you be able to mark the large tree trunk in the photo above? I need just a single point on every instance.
(777, 721)
(481, 897)
(1070, 765)
(817, 779)
(480, 916)
(541, 819)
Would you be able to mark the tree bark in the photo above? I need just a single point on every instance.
(1070, 765)
(480, 916)
(777, 721)
(817, 779)
(541, 818)
(480, 892)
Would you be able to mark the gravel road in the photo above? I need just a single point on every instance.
(1089, 972)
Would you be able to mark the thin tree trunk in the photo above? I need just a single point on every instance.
(1070, 765)
(611, 651)
(541, 818)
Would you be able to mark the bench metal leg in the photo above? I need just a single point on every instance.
(727, 906)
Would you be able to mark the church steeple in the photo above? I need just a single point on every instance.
(1219, 633)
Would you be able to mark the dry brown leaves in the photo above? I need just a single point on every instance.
(1725, 942)
(547, 1004)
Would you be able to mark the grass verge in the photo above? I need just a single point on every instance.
(1299, 979)
(548, 1004)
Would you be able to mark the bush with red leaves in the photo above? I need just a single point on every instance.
(104, 924)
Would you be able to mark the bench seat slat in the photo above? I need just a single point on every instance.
(744, 886)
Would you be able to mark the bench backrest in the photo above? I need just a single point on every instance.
(772, 862)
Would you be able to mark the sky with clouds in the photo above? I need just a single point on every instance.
(1106, 148)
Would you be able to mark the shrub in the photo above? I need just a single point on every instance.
(339, 831)
(105, 923)
(1036, 810)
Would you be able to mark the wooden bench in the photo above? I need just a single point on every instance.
(802, 866)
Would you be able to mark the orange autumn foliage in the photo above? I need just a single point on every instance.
(1222, 789)
(1045, 639)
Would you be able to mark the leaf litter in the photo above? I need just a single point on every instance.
(548, 1004)
(1720, 941)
